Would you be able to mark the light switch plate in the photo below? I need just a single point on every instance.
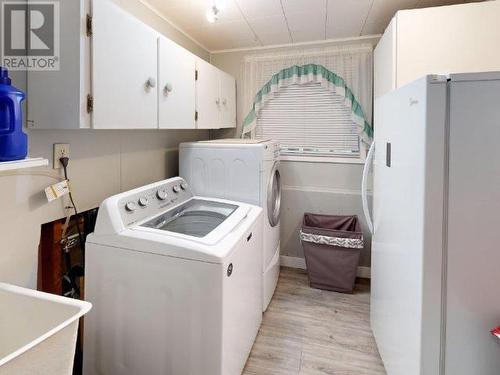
(60, 150)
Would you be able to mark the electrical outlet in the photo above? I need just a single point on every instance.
(60, 150)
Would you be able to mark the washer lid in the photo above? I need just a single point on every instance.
(205, 221)
(214, 247)
(196, 218)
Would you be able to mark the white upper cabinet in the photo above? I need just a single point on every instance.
(215, 97)
(118, 73)
(227, 100)
(58, 99)
(177, 89)
(439, 40)
(207, 95)
(124, 62)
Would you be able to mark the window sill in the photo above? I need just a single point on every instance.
(321, 159)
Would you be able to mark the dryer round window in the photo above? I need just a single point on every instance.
(274, 196)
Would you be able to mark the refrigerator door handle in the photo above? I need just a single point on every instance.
(364, 187)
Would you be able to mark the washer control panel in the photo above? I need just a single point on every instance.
(272, 150)
(152, 201)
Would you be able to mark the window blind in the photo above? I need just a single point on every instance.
(309, 120)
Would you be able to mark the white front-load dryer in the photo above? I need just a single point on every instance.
(245, 170)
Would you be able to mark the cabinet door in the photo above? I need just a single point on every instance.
(449, 39)
(207, 96)
(227, 101)
(57, 100)
(176, 90)
(124, 68)
(385, 61)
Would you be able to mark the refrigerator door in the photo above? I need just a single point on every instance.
(408, 223)
(473, 304)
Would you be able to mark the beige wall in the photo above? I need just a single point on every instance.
(307, 187)
(102, 163)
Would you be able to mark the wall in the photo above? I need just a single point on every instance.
(307, 186)
(102, 163)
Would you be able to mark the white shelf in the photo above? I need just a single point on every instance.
(21, 164)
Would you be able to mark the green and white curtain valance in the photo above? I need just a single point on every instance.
(309, 73)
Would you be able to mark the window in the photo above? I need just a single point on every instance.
(309, 120)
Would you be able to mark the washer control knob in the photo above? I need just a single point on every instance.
(161, 194)
(184, 186)
(176, 189)
(131, 206)
(143, 201)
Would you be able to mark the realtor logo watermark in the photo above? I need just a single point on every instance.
(30, 35)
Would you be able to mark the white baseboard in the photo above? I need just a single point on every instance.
(296, 262)
(293, 262)
(364, 272)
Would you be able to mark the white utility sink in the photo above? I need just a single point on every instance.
(37, 331)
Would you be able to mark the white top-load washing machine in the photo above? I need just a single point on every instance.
(175, 281)
(245, 170)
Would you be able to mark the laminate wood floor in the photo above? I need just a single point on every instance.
(315, 332)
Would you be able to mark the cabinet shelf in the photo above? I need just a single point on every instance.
(21, 164)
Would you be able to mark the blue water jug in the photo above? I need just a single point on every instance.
(13, 140)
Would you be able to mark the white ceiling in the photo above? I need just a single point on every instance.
(253, 23)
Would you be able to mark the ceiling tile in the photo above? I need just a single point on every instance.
(306, 17)
(274, 38)
(260, 8)
(311, 21)
(302, 6)
(346, 18)
(272, 24)
(307, 36)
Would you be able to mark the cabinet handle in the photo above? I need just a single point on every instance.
(217, 101)
(151, 83)
(224, 101)
(168, 88)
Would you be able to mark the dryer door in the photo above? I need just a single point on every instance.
(274, 196)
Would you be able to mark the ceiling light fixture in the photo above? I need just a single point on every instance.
(213, 14)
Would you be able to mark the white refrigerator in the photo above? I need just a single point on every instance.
(436, 226)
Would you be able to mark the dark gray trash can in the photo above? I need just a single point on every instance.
(332, 246)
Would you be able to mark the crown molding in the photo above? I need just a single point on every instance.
(311, 43)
